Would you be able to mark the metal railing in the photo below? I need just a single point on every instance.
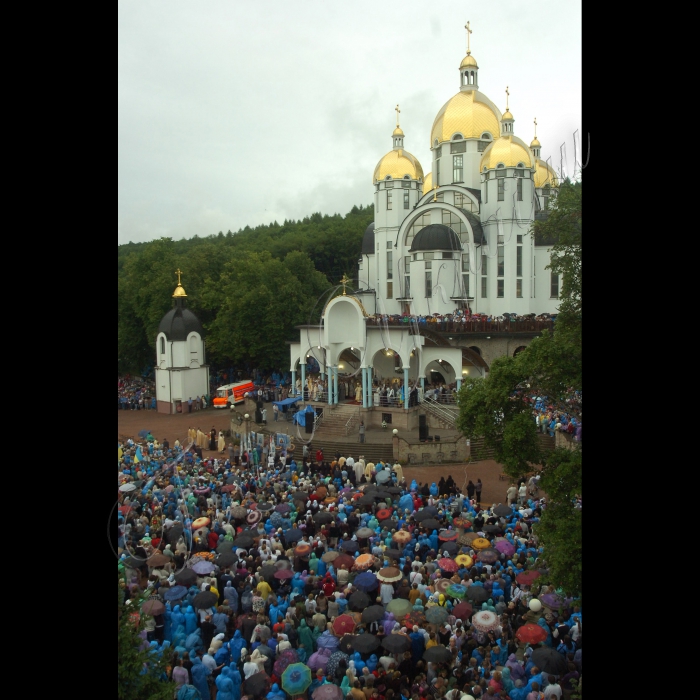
(442, 412)
(472, 326)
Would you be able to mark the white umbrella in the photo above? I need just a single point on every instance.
(485, 621)
(127, 487)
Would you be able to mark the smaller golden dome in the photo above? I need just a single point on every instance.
(509, 150)
(397, 164)
(428, 183)
(535, 143)
(398, 131)
(468, 61)
(179, 291)
(545, 175)
(507, 115)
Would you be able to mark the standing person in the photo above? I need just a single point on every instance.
(362, 431)
(264, 416)
(275, 411)
(477, 487)
(511, 494)
(471, 488)
(212, 439)
(189, 405)
(319, 456)
(522, 493)
(222, 442)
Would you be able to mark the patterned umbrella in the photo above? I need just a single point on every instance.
(485, 621)
(442, 584)
(366, 581)
(436, 614)
(399, 606)
(457, 590)
(448, 535)
(464, 560)
(462, 610)
(384, 513)
(296, 678)
(302, 550)
(530, 633)
(373, 613)
(467, 538)
(446, 564)
(363, 562)
(344, 561)
(254, 517)
(283, 508)
(488, 556)
(389, 574)
(200, 522)
(527, 578)
(238, 512)
(415, 617)
(203, 567)
(287, 657)
(343, 624)
(480, 543)
(331, 667)
(478, 594)
(462, 523)
(505, 547)
(328, 691)
(401, 536)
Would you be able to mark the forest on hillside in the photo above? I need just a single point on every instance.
(249, 288)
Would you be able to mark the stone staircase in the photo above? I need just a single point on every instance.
(371, 451)
(341, 419)
(446, 415)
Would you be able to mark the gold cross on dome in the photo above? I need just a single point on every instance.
(507, 96)
(398, 111)
(535, 127)
(469, 31)
(344, 280)
(178, 272)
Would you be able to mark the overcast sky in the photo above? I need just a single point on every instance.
(237, 113)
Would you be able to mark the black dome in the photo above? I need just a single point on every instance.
(368, 240)
(178, 323)
(436, 237)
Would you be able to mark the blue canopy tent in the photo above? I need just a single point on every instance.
(285, 404)
(300, 417)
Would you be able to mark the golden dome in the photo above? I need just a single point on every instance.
(179, 291)
(535, 143)
(468, 61)
(507, 114)
(397, 164)
(398, 131)
(428, 183)
(509, 150)
(544, 174)
(469, 113)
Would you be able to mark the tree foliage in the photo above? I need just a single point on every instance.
(248, 312)
(496, 408)
(141, 674)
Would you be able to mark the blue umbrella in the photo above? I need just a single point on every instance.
(143, 433)
(366, 581)
(175, 593)
(296, 678)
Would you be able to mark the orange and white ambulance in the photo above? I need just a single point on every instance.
(231, 394)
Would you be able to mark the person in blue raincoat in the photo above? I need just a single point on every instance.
(224, 685)
(321, 568)
(434, 490)
(433, 538)
(371, 663)
(190, 620)
(236, 644)
(199, 677)
(177, 618)
(275, 693)
(235, 676)
(298, 583)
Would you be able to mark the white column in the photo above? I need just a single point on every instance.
(294, 382)
(303, 378)
(405, 388)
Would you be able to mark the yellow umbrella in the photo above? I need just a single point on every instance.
(464, 560)
(480, 543)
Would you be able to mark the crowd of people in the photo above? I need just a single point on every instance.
(276, 582)
(135, 393)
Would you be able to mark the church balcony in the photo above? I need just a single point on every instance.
(480, 327)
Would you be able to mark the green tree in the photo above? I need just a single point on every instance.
(141, 675)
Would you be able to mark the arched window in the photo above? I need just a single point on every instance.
(162, 346)
(518, 350)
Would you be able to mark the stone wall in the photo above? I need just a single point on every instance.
(436, 452)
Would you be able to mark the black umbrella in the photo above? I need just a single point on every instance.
(424, 514)
(345, 643)
(392, 553)
(205, 599)
(373, 613)
(224, 546)
(549, 660)
(365, 643)
(300, 496)
(293, 535)
(381, 494)
(502, 511)
(323, 517)
(349, 546)
(134, 562)
(492, 528)
(430, 509)
(231, 479)
(394, 491)
(243, 541)
(396, 643)
(268, 572)
(265, 507)
(226, 559)
(257, 685)
(449, 547)
(477, 593)
(358, 600)
(174, 533)
(437, 654)
(186, 577)
(367, 500)
(430, 524)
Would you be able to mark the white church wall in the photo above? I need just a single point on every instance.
(180, 354)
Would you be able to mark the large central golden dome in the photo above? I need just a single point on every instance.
(469, 113)
(397, 164)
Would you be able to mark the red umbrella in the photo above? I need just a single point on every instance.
(302, 550)
(531, 633)
(446, 564)
(344, 561)
(283, 573)
(463, 610)
(527, 578)
(384, 513)
(155, 607)
(448, 535)
(228, 488)
(343, 624)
